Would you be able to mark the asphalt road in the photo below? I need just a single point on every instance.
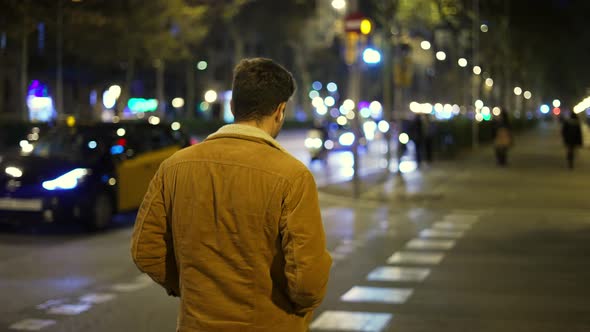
(455, 246)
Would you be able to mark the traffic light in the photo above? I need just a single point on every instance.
(366, 26)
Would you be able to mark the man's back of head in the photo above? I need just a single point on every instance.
(260, 85)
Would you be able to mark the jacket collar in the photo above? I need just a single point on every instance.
(245, 130)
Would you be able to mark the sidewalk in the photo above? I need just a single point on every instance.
(535, 177)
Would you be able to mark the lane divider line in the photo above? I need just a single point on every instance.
(32, 324)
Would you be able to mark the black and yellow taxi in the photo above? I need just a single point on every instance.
(84, 172)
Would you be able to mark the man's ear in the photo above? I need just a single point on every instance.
(281, 111)
(231, 107)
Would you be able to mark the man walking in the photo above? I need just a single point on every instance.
(571, 132)
(232, 225)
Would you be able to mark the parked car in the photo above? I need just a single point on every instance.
(84, 172)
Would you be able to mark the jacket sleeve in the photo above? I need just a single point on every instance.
(307, 262)
(152, 247)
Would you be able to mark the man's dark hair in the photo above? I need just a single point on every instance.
(259, 86)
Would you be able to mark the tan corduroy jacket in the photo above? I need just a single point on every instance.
(232, 226)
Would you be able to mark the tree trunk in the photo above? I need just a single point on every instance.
(160, 69)
(189, 104)
(387, 95)
(239, 44)
(2, 82)
(303, 71)
(59, 95)
(126, 88)
(24, 80)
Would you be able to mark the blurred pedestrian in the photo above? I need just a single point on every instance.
(418, 137)
(503, 138)
(428, 133)
(319, 130)
(232, 225)
(571, 133)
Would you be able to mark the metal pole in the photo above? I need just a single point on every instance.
(354, 94)
(160, 88)
(24, 64)
(387, 93)
(475, 92)
(354, 87)
(59, 98)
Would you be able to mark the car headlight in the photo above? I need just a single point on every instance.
(69, 180)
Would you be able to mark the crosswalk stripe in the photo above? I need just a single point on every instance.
(451, 226)
(32, 324)
(408, 257)
(351, 321)
(440, 233)
(429, 244)
(69, 309)
(377, 294)
(398, 274)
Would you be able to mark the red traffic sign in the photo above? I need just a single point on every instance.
(352, 22)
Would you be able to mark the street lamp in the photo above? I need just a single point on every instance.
(210, 96)
(425, 44)
(339, 4)
(484, 28)
(479, 104)
(441, 56)
(517, 91)
(490, 82)
(177, 102)
(556, 103)
(332, 87)
(202, 65)
(528, 95)
(462, 62)
(477, 70)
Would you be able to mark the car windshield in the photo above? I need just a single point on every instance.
(70, 143)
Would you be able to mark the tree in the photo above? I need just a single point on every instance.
(149, 33)
(292, 33)
(18, 19)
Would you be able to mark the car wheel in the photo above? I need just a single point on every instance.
(102, 212)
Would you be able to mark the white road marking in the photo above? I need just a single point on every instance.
(471, 212)
(440, 233)
(407, 257)
(69, 309)
(461, 219)
(344, 249)
(403, 274)
(144, 278)
(129, 287)
(337, 256)
(351, 321)
(50, 303)
(95, 298)
(451, 226)
(377, 294)
(428, 244)
(32, 324)
(142, 281)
